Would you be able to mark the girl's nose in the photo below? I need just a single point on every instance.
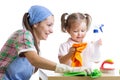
(79, 33)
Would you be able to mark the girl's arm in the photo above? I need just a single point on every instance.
(65, 59)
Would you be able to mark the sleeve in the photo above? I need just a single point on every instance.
(24, 41)
(62, 50)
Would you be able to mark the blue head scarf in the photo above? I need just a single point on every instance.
(38, 14)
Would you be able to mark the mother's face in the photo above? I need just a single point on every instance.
(44, 28)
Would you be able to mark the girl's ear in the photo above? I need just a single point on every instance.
(68, 30)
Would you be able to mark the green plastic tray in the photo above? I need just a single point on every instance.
(75, 74)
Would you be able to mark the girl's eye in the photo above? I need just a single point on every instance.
(83, 30)
(75, 31)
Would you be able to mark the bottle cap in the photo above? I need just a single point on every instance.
(95, 31)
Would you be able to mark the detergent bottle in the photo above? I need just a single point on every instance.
(97, 35)
(96, 51)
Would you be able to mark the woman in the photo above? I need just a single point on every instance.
(19, 57)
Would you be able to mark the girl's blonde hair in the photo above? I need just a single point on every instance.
(67, 20)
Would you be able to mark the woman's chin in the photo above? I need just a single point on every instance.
(45, 38)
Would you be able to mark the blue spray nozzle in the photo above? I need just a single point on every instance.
(101, 27)
(95, 31)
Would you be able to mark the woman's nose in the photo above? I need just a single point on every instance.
(51, 30)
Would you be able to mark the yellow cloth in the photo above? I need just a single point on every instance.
(76, 58)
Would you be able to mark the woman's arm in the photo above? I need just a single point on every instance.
(43, 63)
(40, 62)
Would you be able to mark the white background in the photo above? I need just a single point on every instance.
(102, 11)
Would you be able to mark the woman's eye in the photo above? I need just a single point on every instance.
(50, 25)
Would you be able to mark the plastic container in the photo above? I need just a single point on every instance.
(97, 35)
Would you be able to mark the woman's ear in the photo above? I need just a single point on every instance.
(35, 25)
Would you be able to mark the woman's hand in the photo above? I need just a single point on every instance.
(62, 68)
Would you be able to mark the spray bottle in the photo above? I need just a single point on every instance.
(97, 35)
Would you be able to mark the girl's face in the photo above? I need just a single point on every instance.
(44, 28)
(78, 31)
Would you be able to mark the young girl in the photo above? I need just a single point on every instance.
(76, 25)
(19, 57)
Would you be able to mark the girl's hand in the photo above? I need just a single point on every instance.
(99, 42)
(71, 51)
